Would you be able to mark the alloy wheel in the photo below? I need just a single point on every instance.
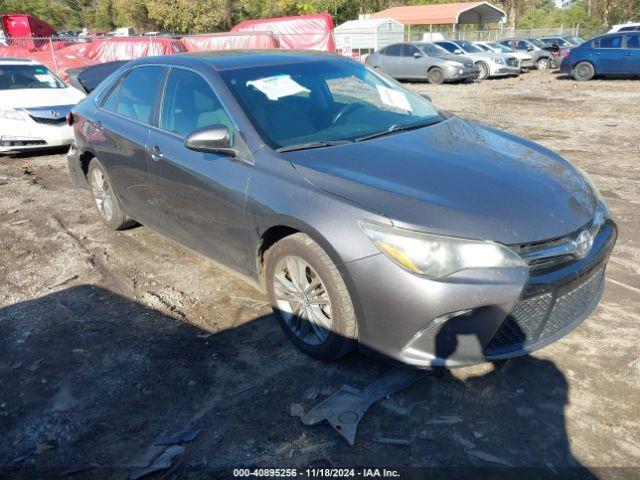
(303, 300)
(543, 64)
(102, 195)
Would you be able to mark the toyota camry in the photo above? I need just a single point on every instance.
(369, 217)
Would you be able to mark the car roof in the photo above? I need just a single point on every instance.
(237, 59)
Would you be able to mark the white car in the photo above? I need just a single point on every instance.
(33, 106)
(490, 64)
(526, 60)
(625, 27)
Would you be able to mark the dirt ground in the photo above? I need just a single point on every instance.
(110, 341)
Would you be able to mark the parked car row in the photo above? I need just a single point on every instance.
(459, 60)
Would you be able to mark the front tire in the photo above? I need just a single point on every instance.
(543, 63)
(435, 76)
(104, 198)
(583, 71)
(309, 298)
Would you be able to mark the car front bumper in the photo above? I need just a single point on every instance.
(504, 71)
(25, 135)
(476, 315)
(460, 73)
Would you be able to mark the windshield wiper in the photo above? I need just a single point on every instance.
(398, 128)
(308, 145)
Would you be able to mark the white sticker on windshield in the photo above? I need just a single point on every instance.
(44, 78)
(278, 86)
(394, 98)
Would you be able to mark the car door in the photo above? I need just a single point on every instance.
(199, 197)
(392, 60)
(633, 53)
(413, 62)
(609, 56)
(120, 132)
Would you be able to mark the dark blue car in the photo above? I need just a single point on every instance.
(614, 54)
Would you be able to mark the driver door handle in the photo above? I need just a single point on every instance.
(155, 153)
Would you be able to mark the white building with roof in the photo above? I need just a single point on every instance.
(366, 35)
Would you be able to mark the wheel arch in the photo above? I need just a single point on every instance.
(282, 227)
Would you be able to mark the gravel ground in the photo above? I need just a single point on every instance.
(109, 341)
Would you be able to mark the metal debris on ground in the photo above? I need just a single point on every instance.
(162, 462)
(346, 407)
(181, 438)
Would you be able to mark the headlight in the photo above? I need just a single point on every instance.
(10, 114)
(437, 256)
(499, 60)
(589, 181)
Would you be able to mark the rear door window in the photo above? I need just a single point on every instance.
(633, 41)
(189, 103)
(393, 50)
(110, 102)
(610, 42)
(138, 93)
(409, 50)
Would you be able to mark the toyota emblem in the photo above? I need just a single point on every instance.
(583, 243)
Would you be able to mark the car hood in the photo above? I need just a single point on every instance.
(39, 97)
(452, 57)
(488, 55)
(456, 178)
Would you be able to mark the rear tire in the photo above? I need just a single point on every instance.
(104, 198)
(543, 63)
(583, 71)
(435, 76)
(309, 298)
(484, 71)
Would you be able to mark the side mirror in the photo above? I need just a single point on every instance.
(529, 48)
(417, 55)
(211, 139)
(457, 51)
(425, 96)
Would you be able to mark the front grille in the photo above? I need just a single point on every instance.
(48, 121)
(512, 61)
(536, 318)
(548, 262)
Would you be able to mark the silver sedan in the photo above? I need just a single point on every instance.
(422, 61)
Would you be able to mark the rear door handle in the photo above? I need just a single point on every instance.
(155, 153)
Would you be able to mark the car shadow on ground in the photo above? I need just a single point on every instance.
(91, 380)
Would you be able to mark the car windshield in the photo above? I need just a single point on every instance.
(315, 103)
(27, 76)
(432, 49)
(574, 40)
(536, 42)
(502, 48)
(468, 47)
